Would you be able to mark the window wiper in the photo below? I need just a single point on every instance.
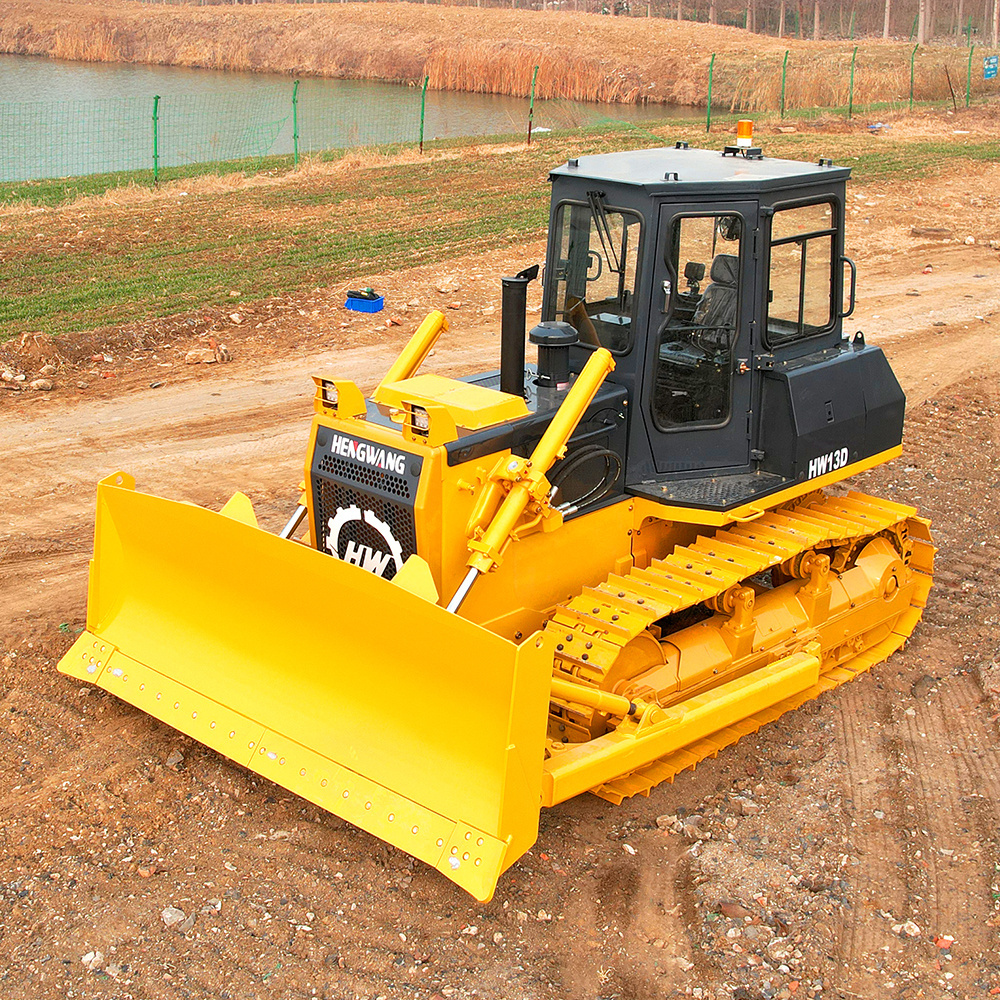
(596, 200)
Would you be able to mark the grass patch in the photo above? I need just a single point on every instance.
(98, 263)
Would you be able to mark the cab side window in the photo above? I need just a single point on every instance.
(800, 299)
(694, 361)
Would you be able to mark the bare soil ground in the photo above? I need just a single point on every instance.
(849, 850)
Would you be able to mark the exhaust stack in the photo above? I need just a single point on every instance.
(513, 308)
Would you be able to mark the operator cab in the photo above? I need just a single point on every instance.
(718, 282)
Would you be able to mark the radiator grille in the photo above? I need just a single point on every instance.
(330, 496)
(365, 475)
(366, 512)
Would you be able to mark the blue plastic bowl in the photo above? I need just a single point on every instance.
(365, 305)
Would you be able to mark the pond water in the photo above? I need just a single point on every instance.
(63, 118)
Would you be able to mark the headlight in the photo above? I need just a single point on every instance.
(420, 419)
(329, 393)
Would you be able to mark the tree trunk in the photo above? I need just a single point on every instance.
(713, 18)
(921, 18)
(815, 20)
(781, 20)
(996, 21)
(679, 16)
(885, 20)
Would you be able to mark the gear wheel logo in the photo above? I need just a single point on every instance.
(366, 556)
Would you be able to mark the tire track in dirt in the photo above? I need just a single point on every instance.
(876, 877)
(935, 845)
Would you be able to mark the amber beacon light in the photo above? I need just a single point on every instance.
(744, 142)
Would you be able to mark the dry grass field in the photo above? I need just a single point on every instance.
(580, 56)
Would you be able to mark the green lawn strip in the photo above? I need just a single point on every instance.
(157, 274)
(180, 254)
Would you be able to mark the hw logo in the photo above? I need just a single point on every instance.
(373, 550)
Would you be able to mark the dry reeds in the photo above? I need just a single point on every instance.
(580, 57)
(507, 68)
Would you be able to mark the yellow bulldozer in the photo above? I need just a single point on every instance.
(582, 574)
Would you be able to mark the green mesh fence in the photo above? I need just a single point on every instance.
(66, 138)
(356, 114)
(217, 127)
(60, 139)
(247, 120)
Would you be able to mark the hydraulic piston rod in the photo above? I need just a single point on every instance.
(527, 477)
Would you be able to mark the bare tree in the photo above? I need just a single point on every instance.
(713, 17)
(996, 21)
(921, 18)
(815, 20)
(885, 19)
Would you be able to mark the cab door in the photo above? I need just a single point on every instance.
(696, 393)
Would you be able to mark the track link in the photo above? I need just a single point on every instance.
(592, 629)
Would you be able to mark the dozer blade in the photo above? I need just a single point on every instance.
(375, 704)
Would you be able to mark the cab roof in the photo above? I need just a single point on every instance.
(698, 171)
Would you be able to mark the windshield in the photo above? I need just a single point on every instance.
(593, 282)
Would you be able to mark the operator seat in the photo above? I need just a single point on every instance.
(716, 312)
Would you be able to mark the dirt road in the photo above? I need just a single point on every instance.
(850, 850)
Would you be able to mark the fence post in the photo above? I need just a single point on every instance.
(156, 141)
(295, 120)
(850, 95)
(423, 109)
(913, 55)
(531, 104)
(708, 108)
(784, 71)
(968, 77)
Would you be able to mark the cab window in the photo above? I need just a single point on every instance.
(800, 299)
(694, 360)
(594, 281)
